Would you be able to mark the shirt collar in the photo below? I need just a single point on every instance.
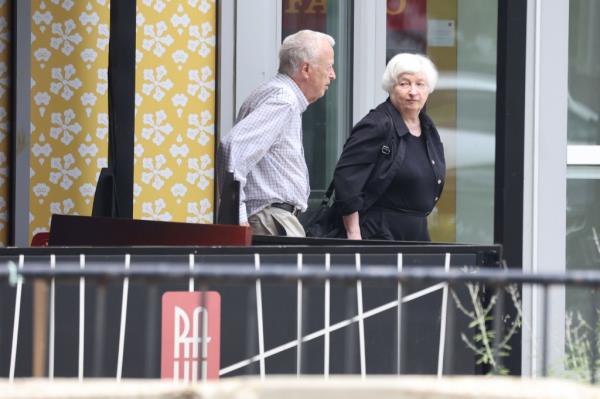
(302, 101)
(399, 124)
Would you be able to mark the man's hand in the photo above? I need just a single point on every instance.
(245, 224)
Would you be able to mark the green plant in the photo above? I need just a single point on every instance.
(578, 347)
(484, 344)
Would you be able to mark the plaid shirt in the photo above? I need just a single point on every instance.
(264, 149)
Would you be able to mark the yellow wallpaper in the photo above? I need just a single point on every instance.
(69, 122)
(175, 99)
(4, 118)
(175, 106)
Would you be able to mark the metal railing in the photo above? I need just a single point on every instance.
(312, 268)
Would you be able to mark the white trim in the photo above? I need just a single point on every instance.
(192, 262)
(15, 336)
(52, 321)
(226, 75)
(259, 321)
(370, 27)
(327, 319)
(400, 263)
(123, 320)
(361, 321)
(337, 326)
(443, 319)
(81, 319)
(545, 167)
(299, 319)
(583, 155)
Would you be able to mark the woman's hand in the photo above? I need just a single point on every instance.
(352, 225)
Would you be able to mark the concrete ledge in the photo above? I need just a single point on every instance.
(312, 387)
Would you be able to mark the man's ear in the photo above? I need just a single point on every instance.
(304, 69)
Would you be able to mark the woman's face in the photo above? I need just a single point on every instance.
(410, 93)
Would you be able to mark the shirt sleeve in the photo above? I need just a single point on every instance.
(357, 162)
(251, 138)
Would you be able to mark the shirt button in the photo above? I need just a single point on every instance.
(436, 198)
(432, 162)
(439, 181)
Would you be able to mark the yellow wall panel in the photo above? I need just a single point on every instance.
(69, 122)
(4, 118)
(175, 110)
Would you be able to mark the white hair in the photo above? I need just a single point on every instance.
(302, 46)
(409, 63)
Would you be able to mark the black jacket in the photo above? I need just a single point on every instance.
(373, 154)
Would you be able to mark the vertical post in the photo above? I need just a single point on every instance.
(121, 102)
(299, 320)
(81, 317)
(259, 315)
(52, 320)
(327, 320)
(544, 327)
(191, 280)
(123, 320)
(20, 121)
(15, 336)
(443, 315)
(361, 321)
(399, 319)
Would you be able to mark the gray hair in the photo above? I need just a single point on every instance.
(408, 63)
(302, 46)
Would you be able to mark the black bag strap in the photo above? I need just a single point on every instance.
(328, 193)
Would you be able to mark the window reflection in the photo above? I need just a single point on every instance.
(325, 123)
(583, 179)
(584, 72)
(460, 38)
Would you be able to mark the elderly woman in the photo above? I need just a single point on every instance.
(391, 172)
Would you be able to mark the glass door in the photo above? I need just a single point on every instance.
(326, 123)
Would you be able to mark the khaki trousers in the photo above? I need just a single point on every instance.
(272, 221)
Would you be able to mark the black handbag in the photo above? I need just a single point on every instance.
(326, 220)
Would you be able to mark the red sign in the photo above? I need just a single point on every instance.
(191, 331)
(407, 15)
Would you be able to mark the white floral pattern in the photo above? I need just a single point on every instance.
(175, 102)
(175, 105)
(69, 106)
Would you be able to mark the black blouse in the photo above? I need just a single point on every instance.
(413, 189)
(374, 155)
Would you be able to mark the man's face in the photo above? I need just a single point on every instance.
(320, 73)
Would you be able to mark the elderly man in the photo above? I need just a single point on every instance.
(264, 149)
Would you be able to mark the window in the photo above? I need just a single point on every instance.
(326, 123)
(460, 38)
(583, 171)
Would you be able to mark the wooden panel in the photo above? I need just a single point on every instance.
(68, 230)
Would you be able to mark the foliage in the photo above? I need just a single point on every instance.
(578, 348)
(484, 344)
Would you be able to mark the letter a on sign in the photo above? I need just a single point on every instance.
(191, 332)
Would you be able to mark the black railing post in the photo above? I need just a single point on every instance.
(544, 327)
